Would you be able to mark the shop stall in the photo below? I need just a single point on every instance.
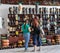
(50, 16)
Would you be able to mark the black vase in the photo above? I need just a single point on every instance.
(10, 10)
(14, 10)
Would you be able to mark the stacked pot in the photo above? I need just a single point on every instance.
(57, 38)
(5, 43)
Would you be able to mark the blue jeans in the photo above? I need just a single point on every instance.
(27, 38)
(37, 40)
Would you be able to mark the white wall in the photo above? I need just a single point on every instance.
(4, 14)
(4, 10)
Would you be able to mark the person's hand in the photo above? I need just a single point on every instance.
(42, 36)
(32, 29)
(29, 29)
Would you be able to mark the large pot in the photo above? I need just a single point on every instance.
(53, 41)
(20, 44)
(16, 22)
(57, 39)
(5, 41)
(5, 44)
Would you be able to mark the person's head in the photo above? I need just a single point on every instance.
(26, 21)
(37, 17)
(35, 22)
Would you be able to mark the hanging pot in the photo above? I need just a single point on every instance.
(20, 43)
(10, 10)
(10, 29)
(20, 8)
(16, 22)
(14, 29)
(16, 17)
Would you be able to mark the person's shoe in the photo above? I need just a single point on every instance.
(38, 50)
(25, 50)
(33, 50)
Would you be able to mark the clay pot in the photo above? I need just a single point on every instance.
(44, 40)
(20, 8)
(57, 39)
(14, 29)
(5, 44)
(31, 41)
(5, 41)
(23, 41)
(16, 22)
(15, 45)
(17, 32)
(16, 16)
(10, 29)
(20, 45)
(53, 41)
(20, 42)
(10, 10)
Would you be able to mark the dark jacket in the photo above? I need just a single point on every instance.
(36, 30)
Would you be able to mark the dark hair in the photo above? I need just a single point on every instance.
(25, 23)
(35, 22)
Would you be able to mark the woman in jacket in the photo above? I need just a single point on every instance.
(36, 34)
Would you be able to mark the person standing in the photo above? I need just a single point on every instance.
(48, 25)
(41, 26)
(36, 34)
(26, 33)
